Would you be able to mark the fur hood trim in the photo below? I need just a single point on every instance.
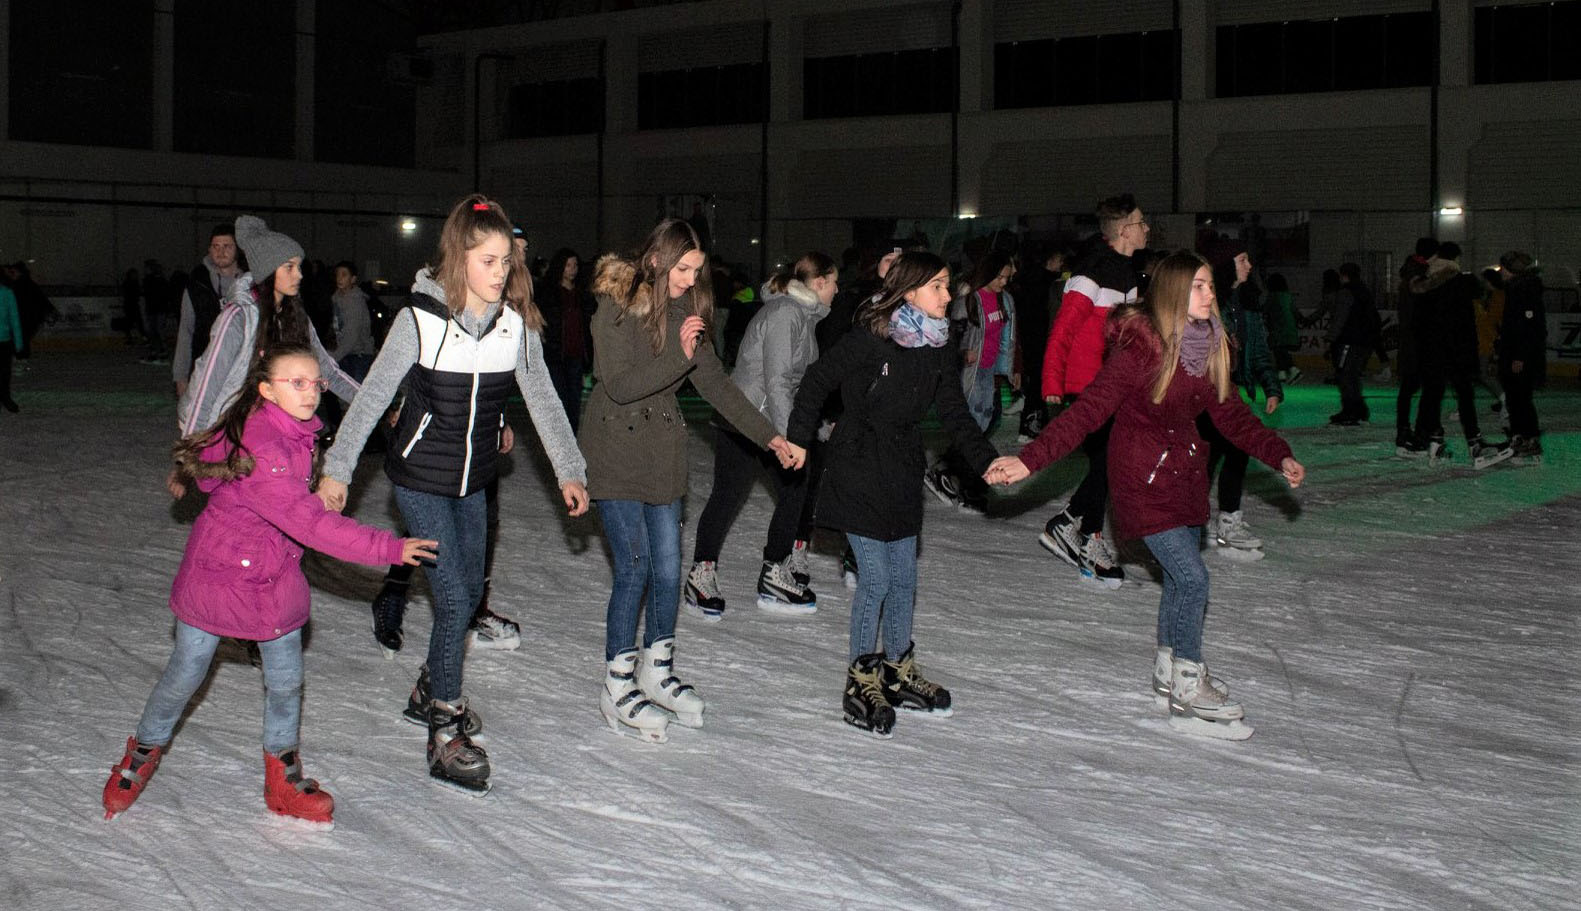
(613, 276)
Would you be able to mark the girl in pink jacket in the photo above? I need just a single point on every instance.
(242, 577)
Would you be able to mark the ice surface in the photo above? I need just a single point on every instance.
(1407, 653)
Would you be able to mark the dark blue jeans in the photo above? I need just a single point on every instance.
(886, 588)
(1185, 600)
(645, 541)
(460, 525)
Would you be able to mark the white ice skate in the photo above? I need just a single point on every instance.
(624, 707)
(658, 682)
(1235, 538)
(1195, 707)
(1163, 667)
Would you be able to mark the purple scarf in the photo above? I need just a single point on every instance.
(1200, 339)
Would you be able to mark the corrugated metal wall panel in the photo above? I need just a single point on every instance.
(905, 28)
(1029, 20)
(1241, 12)
(740, 42)
(1070, 176)
(1367, 168)
(1533, 164)
(855, 183)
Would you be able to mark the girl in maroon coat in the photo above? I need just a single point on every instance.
(242, 577)
(1167, 362)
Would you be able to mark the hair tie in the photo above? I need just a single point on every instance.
(480, 207)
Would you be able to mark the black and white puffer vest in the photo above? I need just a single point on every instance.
(448, 437)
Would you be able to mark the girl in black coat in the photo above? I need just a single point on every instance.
(1523, 350)
(897, 362)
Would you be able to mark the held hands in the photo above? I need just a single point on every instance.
(790, 455)
(507, 439)
(1006, 470)
(333, 493)
(1293, 472)
(575, 495)
(175, 485)
(416, 550)
(1273, 402)
(692, 329)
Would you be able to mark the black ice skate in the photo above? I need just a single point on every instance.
(1486, 455)
(389, 606)
(906, 688)
(418, 706)
(780, 593)
(489, 630)
(453, 759)
(866, 706)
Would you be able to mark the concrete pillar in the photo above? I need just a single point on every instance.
(306, 49)
(977, 58)
(1197, 137)
(1459, 123)
(164, 87)
(1196, 50)
(785, 69)
(620, 83)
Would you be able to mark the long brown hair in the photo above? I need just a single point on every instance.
(473, 220)
(238, 463)
(646, 299)
(285, 323)
(909, 272)
(1168, 305)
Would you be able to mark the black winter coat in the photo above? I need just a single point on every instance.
(1523, 332)
(1445, 318)
(872, 477)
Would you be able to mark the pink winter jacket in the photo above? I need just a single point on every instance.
(241, 575)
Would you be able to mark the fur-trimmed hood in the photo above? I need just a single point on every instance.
(613, 277)
(1439, 273)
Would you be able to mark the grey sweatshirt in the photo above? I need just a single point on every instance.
(395, 360)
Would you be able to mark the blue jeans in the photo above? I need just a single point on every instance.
(982, 397)
(1185, 600)
(460, 525)
(886, 588)
(645, 541)
(189, 665)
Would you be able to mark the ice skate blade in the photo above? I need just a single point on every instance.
(1241, 554)
(460, 785)
(1096, 580)
(869, 731)
(1481, 462)
(1052, 546)
(912, 712)
(389, 653)
(703, 615)
(771, 605)
(642, 735)
(302, 823)
(509, 644)
(1217, 730)
(693, 720)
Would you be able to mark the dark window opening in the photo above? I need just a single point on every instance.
(1537, 42)
(1325, 55)
(565, 107)
(1098, 69)
(703, 96)
(871, 85)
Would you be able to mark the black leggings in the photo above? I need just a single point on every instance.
(1232, 474)
(738, 462)
(1091, 498)
(1429, 419)
(1518, 399)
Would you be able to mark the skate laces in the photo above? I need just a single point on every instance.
(1097, 551)
(870, 684)
(907, 673)
(705, 578)
(797, 562)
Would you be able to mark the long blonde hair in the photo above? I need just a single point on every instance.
(647, 297)
(1168, 306)
(473, 220)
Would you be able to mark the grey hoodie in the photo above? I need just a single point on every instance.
(776, 349)
(398, 355)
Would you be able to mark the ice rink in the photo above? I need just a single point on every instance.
(1407, 652)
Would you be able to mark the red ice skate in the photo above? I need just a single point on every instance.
(128, 776)
(289, 794)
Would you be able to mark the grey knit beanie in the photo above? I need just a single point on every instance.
(266, 250)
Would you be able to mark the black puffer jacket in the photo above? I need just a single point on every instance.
(872, 479)
(1523, 332)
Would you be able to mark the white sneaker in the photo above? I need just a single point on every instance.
(658, 682)
(624, 707)
(1231, 531)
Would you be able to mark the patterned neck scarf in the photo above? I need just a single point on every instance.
(1200, 340)
(911, 328)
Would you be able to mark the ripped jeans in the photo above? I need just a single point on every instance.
(645, 541)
